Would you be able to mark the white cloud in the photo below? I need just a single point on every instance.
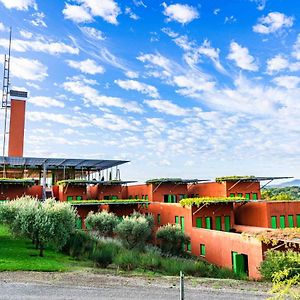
(181, 13)
(296, 48)
(28, 69)
(216, 11)
(242, 58)
(19, 4)
(261, 4)
(167, 107)
(131, 14)
(289, 82)
(76, 13)
(108, 10)
(114, 123)
(273, 22)
(138, 86)
(44, 101)
(38, 20)
(93, 97)
(87, 66)
(132, 74)
(41, 45)
(229, 20)
(2, 27)
(277, 63)
(93, 33)
(26, 34)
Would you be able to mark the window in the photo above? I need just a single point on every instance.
(208, 222)
(182, 223)
(114, 197)
(182, 196)
(232, 195)
(147, 205)
(247, 196)
(143, 196)
(106, 197)
(176, 220)
(274, 222)
(254, 196)
(240, 194)
(78, 198)
(170, 198)
(69, 198)
(199, 222)
(146, 197)
(298, 220)
(282, 221)
(189, 247)
(227, 223)
(202, 250)
(158, 219)
(218, 223)
(291, 220)
(136, 197)
(130, 197)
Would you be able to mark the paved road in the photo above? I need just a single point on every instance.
(22, 291)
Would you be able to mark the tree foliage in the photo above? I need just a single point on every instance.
(281, 193)
(103, 222)
(172, 239)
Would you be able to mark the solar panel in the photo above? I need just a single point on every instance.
(19, 94)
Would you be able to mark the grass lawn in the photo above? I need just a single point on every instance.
(20, 254)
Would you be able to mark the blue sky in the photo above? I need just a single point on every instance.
(180, 88)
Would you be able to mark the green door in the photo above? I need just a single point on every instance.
(274, 222)
(238, 263)
(227, 223)
(202, 250)
(170, 198)
(208, 224)
(298, 220)
(254, 196)
(291, 220)
(78, 223)
(182, 223)
(199, 222)
(282, 221)
(176, 220)
(218, 223)
(247, 196)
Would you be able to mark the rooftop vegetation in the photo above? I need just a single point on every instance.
(170, 180)
(16, 180)
(209, 200)
(232, 178)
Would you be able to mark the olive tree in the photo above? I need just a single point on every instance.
(103, 222)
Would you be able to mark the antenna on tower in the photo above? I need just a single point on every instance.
(5, 95)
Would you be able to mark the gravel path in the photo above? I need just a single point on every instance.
(85, 285)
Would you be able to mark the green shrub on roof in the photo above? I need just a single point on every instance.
(207, 200)
(159, 180)
(232, 178)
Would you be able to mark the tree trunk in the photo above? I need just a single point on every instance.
(41, 250)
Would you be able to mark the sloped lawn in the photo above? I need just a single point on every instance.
(20, 254)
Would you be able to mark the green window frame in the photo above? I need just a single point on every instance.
(176, 220)
(130, 197)
(274, 222)
(208, 223)
(189, 247)
(218, 221)
(199, 222)
(227, 223)
(69, 198)
(291, 221)
(182, 223)
(158, 219)
(78, 198)
(232, 195)
(254, 196)
(146, 197)
(136, 197)
(202, 250)
(106, 197)
(282, 221)
(143, 196)
(114, 197)
(240, 194)
(247, 196)
(298, 220)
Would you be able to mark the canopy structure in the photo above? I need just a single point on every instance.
(100, 182)
(173, 180)
(249, 178)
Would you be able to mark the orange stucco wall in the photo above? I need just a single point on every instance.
(10, 192)
(208, 189)
(35, 191)
(243, 188)
(73, 191)
(140, 190)
(16, 128)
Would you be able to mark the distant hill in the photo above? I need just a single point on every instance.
(295, 182)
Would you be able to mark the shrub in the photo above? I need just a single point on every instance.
(127, 260)
(103, 254)
(150, 261)
(171, 239)
(134, 231)
(103, 222)
(148, 217)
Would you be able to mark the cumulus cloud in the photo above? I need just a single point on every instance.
(181, 13)
(28, 69)
(273, 22)
(41, 45)
(2, 27)
(87, 66)
(77, 13)
(167, 107)
(277, 63)
(19, 4)
(114, 123)
(131, 14)
(296, 48)
(38, 19)
(26, 34)
(138, 86)
(242, 58)
(44, 101)
(289, 82)
(93, 33)
(108, 10)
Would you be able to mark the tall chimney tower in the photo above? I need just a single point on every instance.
(17, 123)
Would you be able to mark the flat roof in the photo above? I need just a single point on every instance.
(110, 202)
(58, 163)
(84, 182)
(249, 178)
(16, 181)
(174, 180)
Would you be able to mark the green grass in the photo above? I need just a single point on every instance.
(20, 254)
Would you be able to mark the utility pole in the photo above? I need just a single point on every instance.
(181, 286)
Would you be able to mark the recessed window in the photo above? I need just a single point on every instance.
(69, 198)
(202, 250)
(254, 196)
